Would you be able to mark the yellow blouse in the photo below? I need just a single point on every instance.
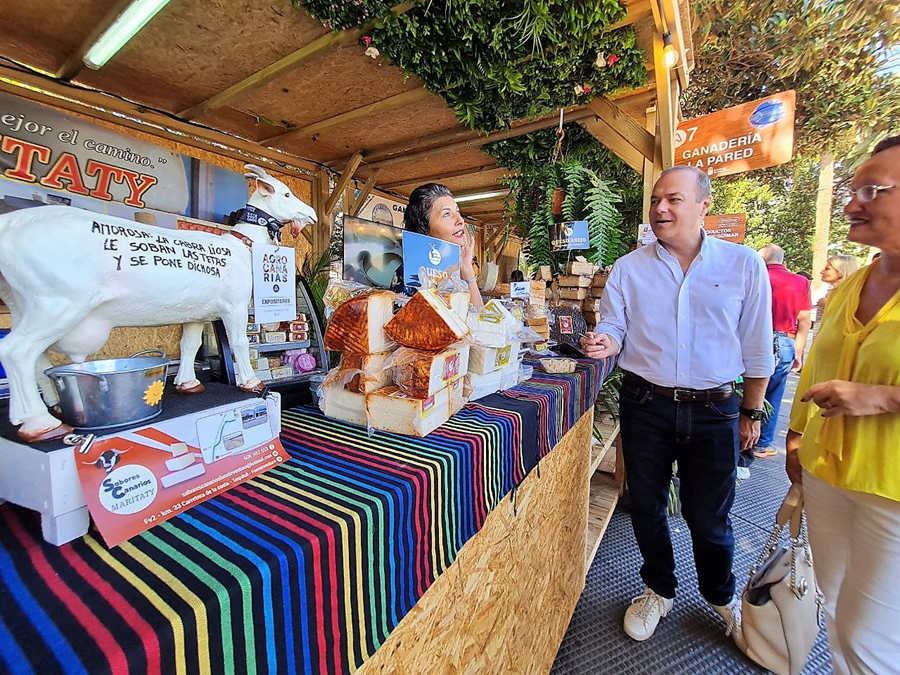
(854, 453)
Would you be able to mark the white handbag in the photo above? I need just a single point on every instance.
(781, 603)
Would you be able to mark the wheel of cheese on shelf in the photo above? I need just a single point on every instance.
(488, 276)
(357, 325)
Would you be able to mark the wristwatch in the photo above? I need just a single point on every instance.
(755, 414)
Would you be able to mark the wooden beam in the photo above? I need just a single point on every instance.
(617, 144)
(439, 177)
(492, 187)
(364, 193)
(676, 27)
(666, 102)
(652, 167)
(495, 235)
(285, 65)
(73, 98)
(310, 130)
(623, 124)
(75, 62)
(636, 11)
(475, 143)
(343, 182)
(325, 220)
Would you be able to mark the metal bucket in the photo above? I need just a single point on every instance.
(111, 393)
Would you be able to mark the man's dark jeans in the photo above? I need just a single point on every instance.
(703, 438)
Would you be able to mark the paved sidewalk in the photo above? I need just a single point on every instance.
(691, 640)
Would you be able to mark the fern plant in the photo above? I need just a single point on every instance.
(588, 197)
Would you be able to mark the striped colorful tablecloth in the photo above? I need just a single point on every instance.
(305, 569)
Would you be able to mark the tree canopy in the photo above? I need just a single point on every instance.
(832, 52)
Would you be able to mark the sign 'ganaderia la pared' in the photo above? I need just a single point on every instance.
(750, 136)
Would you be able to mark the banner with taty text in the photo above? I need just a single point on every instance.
(48, 157)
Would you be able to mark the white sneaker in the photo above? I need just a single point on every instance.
(732, 615)
(644, 614)
(743, 473)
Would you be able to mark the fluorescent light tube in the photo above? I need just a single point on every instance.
(480, 195)
(125, 27)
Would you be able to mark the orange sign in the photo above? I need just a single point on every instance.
(133, 480)
(749, 136)
(732, 227)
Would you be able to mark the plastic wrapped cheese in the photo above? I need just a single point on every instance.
(366, 372)
(488, 359)
(509, 375)
(341, 404)
(357, 326)
(426, 322)
(457, 395)
(480, 385)
(459, 303)
(389, 409)
(422, 374)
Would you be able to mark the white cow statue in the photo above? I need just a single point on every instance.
(69, 276)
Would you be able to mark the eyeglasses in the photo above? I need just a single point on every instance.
(867, 193)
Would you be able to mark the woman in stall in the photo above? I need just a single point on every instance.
(433, 211)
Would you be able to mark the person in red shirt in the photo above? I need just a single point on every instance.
(791, 319)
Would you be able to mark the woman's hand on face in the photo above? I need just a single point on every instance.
(466, 253)
(839, 397)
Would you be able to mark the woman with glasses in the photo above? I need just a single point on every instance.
(843, 443)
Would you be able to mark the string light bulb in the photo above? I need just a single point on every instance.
(670, 56)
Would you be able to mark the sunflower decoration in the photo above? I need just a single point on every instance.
(153, 393)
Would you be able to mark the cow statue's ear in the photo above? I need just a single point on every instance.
(265, 187)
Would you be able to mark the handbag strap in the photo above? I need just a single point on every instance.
(791, 511)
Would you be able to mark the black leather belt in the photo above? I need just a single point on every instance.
(682, 394)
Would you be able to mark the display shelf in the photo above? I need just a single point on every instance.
(603, 449)
(280, 346)
(604, 495)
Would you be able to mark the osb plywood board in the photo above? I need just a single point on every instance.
(332, 82)
(464, 158)
(242, 124)
(195, 48)
(43, 34)
(419, 119)
(505, 604)
(487, 179)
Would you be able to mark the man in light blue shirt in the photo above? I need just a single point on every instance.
(689, 314)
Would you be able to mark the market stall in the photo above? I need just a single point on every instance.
(330, 557)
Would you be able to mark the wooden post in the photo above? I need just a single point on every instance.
(322, 234)
(652, 168)
(823, 219)
(364, 193)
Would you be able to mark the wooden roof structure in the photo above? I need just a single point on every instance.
(266, 80)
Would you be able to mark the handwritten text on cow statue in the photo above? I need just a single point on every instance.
(70, 276)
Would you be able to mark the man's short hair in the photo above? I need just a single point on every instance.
(889, 142)
(704, 188)
(772, 253)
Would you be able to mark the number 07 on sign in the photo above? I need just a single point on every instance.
(750, 136)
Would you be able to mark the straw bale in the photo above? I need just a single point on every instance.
(505, 604)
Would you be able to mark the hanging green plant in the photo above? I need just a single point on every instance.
(587, 197)
(496, 62)
(531, 157)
